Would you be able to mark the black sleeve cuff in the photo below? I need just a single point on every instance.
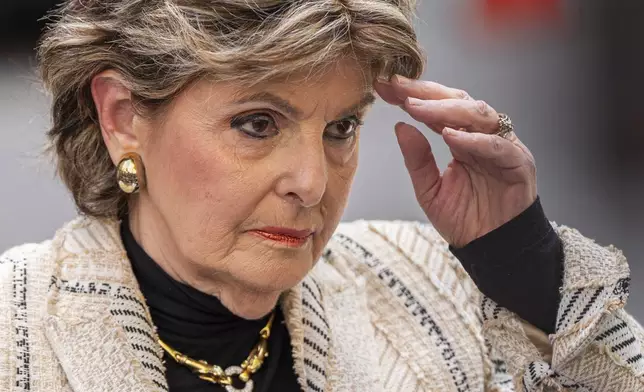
(519, 266)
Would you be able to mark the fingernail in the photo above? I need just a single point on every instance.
(451, 132)
(415, 101)
(401, 79)
(383, 80)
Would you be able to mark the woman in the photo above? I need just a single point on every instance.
(210, 148)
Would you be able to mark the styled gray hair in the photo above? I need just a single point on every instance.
(161, 46)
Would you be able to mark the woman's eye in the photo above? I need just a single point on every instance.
(259, 126)
(343, 129)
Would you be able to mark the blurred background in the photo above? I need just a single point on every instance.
(570, 73)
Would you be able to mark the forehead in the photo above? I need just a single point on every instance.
(345, 71)
(335, 86)
(344, 80)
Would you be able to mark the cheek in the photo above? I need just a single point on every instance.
(342, 171)
(189, 167)
(196, 183)
(338, 189)
(337, 193)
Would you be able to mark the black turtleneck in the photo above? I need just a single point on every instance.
(198, 325)
(520, 266)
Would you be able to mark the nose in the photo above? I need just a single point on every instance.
(305, 178)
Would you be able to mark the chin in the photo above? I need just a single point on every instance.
(262, 292)
(280, 276)
(255, 311)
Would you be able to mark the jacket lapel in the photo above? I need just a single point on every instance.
(331, 335)
(309, 331)
(97, 322)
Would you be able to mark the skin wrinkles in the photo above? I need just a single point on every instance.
(208, 183)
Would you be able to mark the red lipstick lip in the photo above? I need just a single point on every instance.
(289, 237)
(283, 231)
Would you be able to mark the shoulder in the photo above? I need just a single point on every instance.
(396, 242)
(425, 304)
(30, 268)
(24, 278)
(410, 248)
(35, 255)
(36, 262)
(23, 257)
(21, 267)
(405, 235)
(25, 273)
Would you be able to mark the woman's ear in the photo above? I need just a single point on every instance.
(116, 114)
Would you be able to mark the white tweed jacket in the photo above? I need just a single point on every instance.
(387, 308)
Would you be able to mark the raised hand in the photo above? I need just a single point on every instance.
(490, 180)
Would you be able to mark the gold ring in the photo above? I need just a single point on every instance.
(505, 126)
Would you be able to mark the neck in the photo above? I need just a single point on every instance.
(155, 237)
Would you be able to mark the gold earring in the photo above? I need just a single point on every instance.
(130, 173)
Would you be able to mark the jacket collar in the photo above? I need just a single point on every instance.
(101, 330)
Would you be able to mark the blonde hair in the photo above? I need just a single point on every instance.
(161, 46)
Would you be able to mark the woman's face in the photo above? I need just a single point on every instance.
(249, 184)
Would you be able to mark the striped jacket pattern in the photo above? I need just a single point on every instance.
(387, 308)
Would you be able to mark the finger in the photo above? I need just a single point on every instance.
(420, 162)
(476, 116)
(425, 89)
(501, 152)
(458, 154)
(400, 88)
(386, 91)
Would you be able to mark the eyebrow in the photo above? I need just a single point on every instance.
(274, 100)
(367, 99)
(282, 104)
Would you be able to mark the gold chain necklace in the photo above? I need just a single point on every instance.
(216, 375)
